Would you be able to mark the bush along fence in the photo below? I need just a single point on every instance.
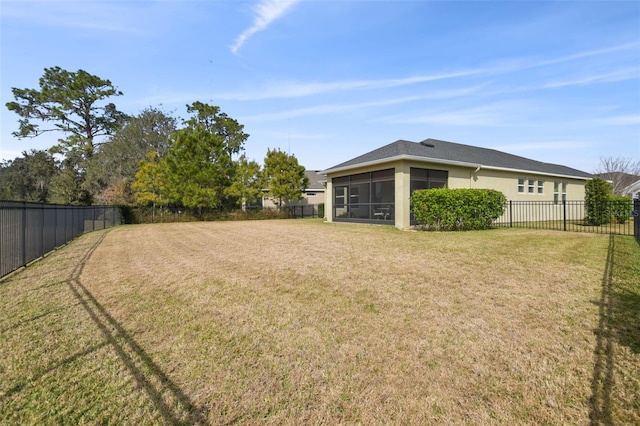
(612, 217)
(28, 231)
(136, 215)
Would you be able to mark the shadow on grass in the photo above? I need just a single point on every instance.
(619, 324)
(172, 403)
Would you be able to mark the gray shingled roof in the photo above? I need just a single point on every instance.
(316, 180)
(449, 152)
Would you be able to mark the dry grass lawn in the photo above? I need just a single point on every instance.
(301, 322)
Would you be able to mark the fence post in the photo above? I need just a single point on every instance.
(42, 252)
(564, 214)
(24, 233)
(510, 214)
(636, 219)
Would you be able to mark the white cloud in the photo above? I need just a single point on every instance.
(617, 75)
(266, 12)
(115, 17)
(339, 108)
(620, 120)
(490, 115)
(283, 89)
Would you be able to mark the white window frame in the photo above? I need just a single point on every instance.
(531, 186)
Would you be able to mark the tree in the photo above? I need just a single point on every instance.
(596, 197)
(151, 183)
(621, 171)
(112, 170)
(247, 185)
(70, 101)
(284, 177)
(28, 178)
(200, 163)
(67, 186)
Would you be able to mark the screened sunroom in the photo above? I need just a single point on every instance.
(364, 196)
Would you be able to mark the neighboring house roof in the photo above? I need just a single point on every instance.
(316, 180)
(632, 190)
(438, 151)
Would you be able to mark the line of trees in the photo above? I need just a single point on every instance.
(108, 157)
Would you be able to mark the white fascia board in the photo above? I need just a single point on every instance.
(397, 158)
(534, 172)
(447, 162)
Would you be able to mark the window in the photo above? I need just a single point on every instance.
(531, 187)
(311, 194)
(521, 185)
(365, 196)
(427, 179)
(556, 191)
(540, 187)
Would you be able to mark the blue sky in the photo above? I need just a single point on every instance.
(329, 80)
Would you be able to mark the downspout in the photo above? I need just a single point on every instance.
(471, 175)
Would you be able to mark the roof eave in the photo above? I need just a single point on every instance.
(447, 162)
(397, 158)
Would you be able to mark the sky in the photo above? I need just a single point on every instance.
(328, 80)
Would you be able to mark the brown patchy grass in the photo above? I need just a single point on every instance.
(296, 322)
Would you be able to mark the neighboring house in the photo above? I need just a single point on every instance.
(375, 187)
(313, 195)
(621, 182)
(632, 190)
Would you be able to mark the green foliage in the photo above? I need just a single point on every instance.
(28, 178)
(111, 171)
(200, 165)
(247, 185)
(620, 207)
(597, 196)
(284, 177)
(151, 180)
(68, 100)
(444, 209)
(321, 210)
(67, 186)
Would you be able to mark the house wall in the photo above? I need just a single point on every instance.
(306, 200)
(465, 177)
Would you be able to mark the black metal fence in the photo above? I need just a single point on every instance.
(310, 210)
(636, 219)
(31, 230)
(567, 216)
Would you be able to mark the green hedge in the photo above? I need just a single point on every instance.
(620, 207)
(444, 209)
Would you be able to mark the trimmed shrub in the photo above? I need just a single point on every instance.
(443, 209)
(621, 208)
(596, 198)
(321, 210)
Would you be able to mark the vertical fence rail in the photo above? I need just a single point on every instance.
(636, 219)
(28, 231)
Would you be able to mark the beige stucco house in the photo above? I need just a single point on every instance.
(312, 195)
(375, 187)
